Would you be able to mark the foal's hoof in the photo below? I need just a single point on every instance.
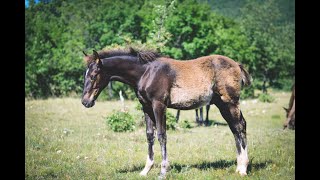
(143, 173)
(242, 173)
(162, 176)
(241, 170)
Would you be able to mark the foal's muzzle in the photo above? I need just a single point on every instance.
(88, 104)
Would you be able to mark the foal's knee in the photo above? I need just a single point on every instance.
(162, 138)
(150, 137)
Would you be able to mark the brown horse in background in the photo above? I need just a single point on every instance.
(161, 82)
(291, 111)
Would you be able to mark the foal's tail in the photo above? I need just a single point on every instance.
(246, 78)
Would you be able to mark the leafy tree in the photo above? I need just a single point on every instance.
(272, 42)
(56, 32)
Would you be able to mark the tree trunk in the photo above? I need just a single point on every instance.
(264, 85)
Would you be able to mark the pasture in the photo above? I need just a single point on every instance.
(65, 140)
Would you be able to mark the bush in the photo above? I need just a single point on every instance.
(263, 97)
(120, 121)
(171, 121)
(185, 124)
(247, 92)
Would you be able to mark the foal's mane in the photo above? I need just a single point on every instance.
(144, 56)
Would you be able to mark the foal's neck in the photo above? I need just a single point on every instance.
(126, 69)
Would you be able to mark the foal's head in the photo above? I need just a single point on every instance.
(95, 80)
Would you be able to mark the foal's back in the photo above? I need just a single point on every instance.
(193, 85)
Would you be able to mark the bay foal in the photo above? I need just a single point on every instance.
(161, 82)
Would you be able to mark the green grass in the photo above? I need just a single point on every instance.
(64, 140)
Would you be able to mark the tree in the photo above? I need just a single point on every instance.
(272, 42)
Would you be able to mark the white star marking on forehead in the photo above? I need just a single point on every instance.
(87, 72)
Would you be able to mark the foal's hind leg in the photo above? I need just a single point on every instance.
(150, 138)
(232, 114)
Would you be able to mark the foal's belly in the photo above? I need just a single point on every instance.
(190, 98)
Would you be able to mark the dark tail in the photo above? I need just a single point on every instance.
(246, 78)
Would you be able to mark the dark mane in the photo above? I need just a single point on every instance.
(144, 56)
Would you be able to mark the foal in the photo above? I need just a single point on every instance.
(161, 82)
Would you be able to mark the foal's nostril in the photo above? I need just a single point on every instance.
(84, 102)
(87, 103)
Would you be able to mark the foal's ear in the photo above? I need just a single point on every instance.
(96, 57)
(86, 58)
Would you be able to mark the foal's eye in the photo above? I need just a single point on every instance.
(93, 78)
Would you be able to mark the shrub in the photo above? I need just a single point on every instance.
(185, 124)
(120, 121)
(171, 121)
(263, 97)
(247, 92)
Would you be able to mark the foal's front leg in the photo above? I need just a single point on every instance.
(150, 138)
(159, 110)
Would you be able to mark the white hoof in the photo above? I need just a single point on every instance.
(242, 170)
(149, 165)
(143, 173)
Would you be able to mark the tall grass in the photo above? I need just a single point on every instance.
(64, 140)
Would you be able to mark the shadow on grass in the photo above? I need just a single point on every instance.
(215, 122)
(257, 166)
(132, 169)
(221, 164)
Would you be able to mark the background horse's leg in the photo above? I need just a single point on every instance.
(178, 115)
(150, 138)
(232, 114)
(201, 116)
(159, 110)
(206, 122)
(197, 117)
(199, 120)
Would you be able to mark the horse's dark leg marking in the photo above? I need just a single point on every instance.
(159, 110)
(231, 112)
(150, 138)
(206, 122)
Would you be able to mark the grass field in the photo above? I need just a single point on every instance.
(65, 140)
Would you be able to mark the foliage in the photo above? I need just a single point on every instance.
(185, 124)
(260, 35)
(171, 122)
(265, 97)
(120, 121)
(272, 42)
(247, 92)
